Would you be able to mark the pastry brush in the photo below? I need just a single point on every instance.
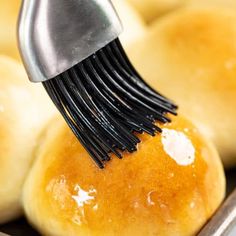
(72, 48)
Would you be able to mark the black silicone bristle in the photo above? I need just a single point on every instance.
(105, 102)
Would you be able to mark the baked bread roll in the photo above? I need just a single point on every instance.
(170, 186)
(134, 26)
(212, 3)
(151, 9)
(24, 111)
(8, 20)
(190, 56)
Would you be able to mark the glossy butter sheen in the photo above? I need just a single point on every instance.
(146, 193)
(190, 55)
(178, 146)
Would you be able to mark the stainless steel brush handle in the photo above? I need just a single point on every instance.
(55, 35)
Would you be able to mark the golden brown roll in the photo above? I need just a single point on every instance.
(190, 56)
(134, 26)
(170, 186)
(24, 111)
(151, 9)
(8, 20)
(212, 3)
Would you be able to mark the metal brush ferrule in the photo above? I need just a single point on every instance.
(55, 35)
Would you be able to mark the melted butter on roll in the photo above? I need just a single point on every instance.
(154, 191)
(190, 55)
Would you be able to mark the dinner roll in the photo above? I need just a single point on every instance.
(190, 56)
(24, 111)
(8, 20)
(170, 186)
(212, 3)
(151, 9)
(134, 26)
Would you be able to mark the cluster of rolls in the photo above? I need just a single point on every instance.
(175, 181)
